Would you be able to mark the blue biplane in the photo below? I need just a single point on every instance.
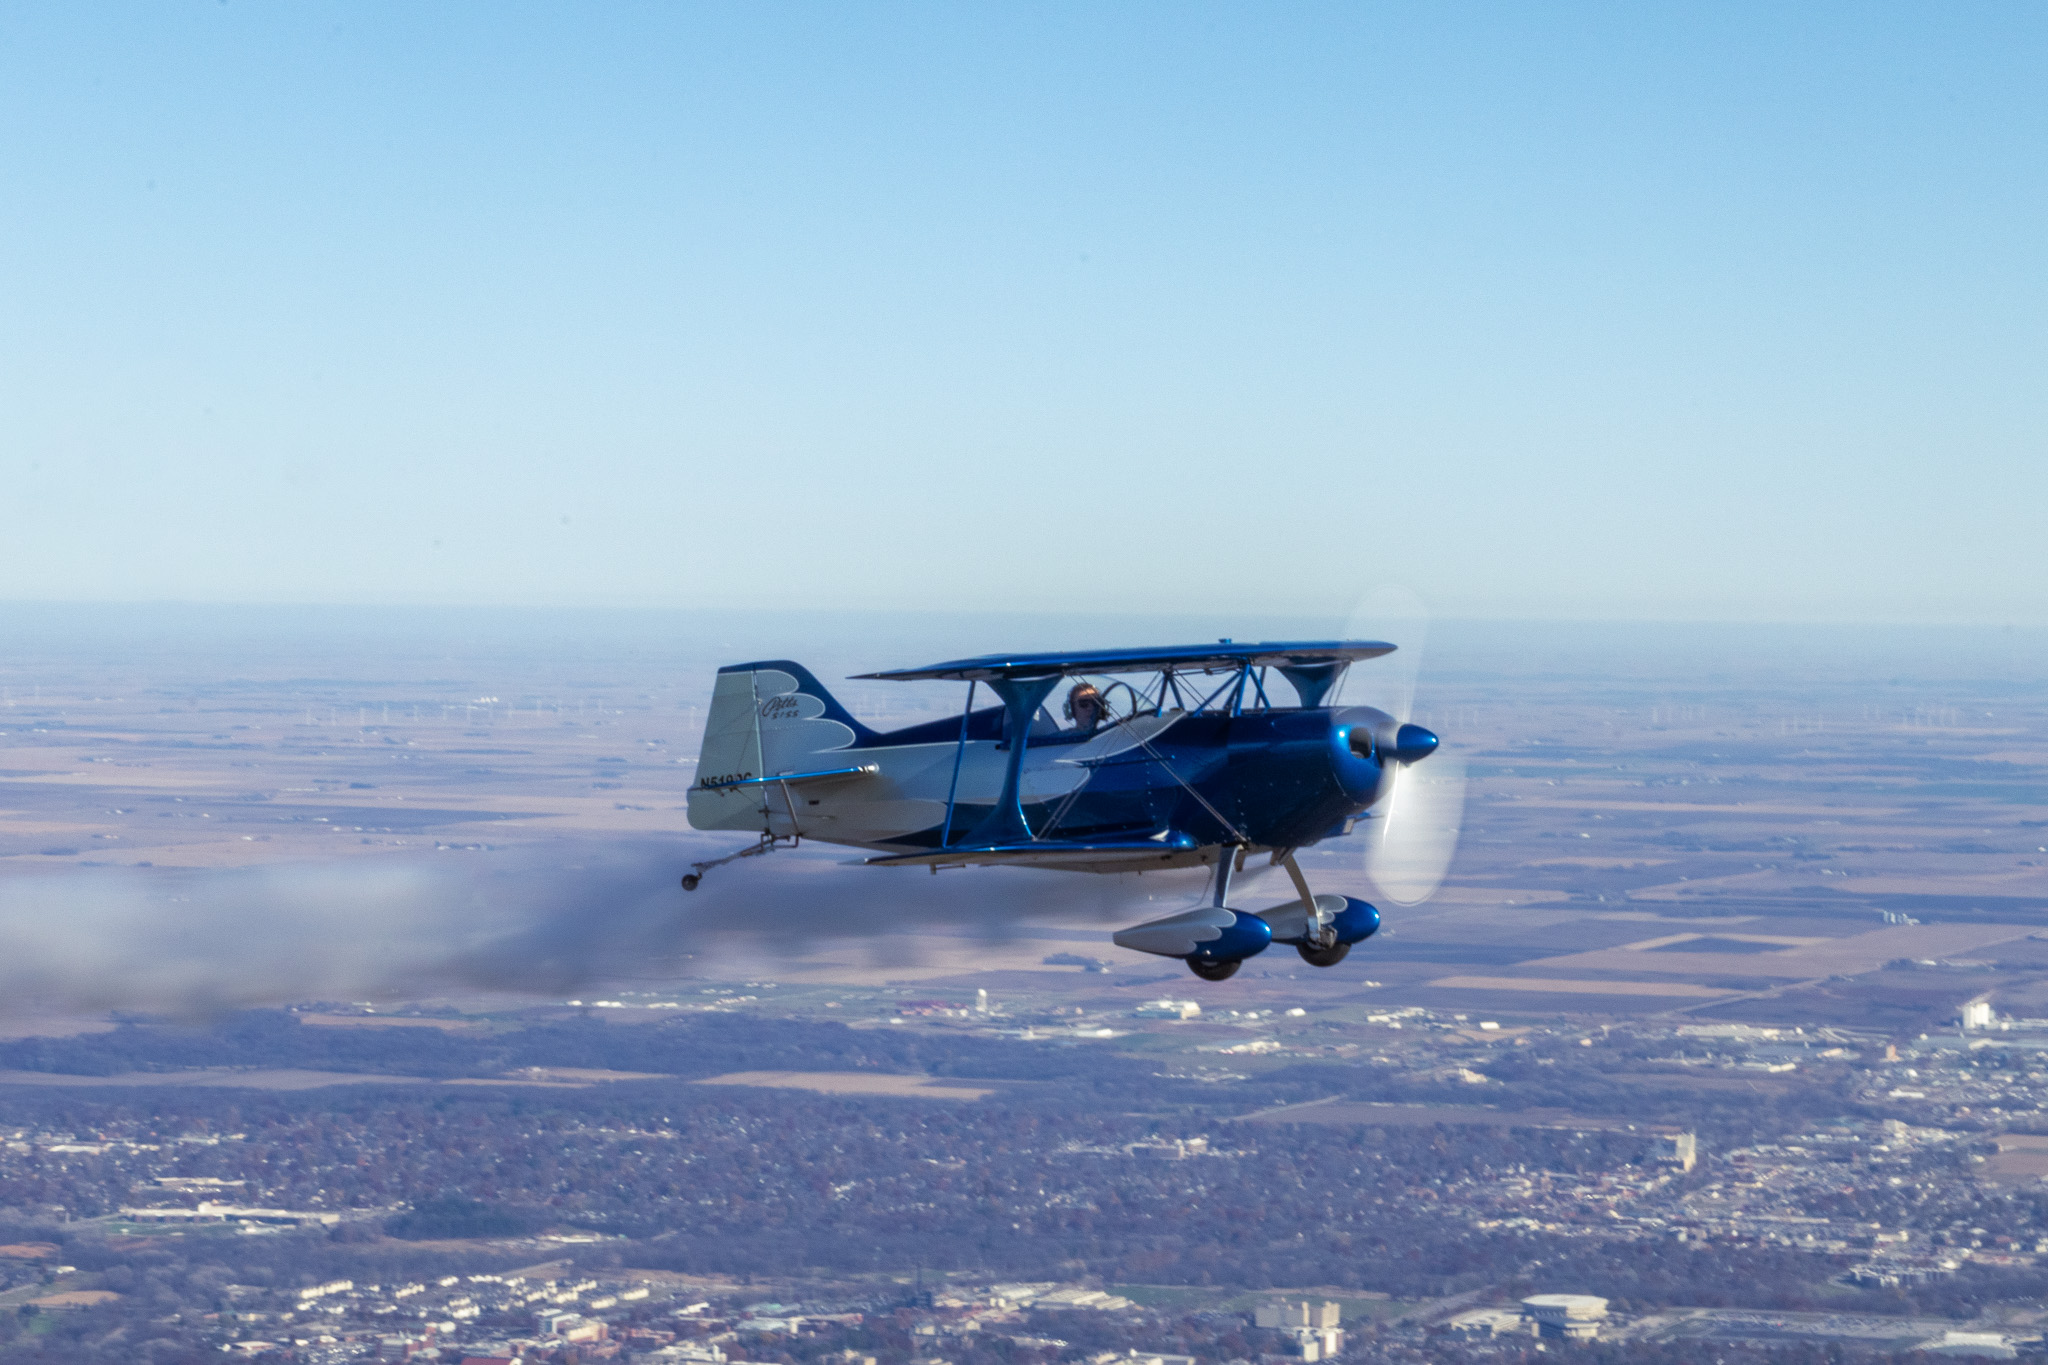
(1161, 758)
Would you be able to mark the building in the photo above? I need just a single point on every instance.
(1169, 1009)
(1484, 1323)
(1285, 1316)
(558, 1322)
(1312, 1328)
(1169, 1149)
(1976, 1014)
(1575, 1317)
(1678, 1149)
(209, 1212)
(1317, 1343)
(1890, 1273)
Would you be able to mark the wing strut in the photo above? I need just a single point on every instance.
(953, 788)
(1021, 699)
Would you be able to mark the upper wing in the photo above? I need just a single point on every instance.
(1224, 654)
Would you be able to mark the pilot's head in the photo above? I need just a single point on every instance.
(1084, 705)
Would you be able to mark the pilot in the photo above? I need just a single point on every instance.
(1084, 706)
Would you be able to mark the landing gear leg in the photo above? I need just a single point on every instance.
(1226, 862)
(769, 843)
(1322, 933)
(1213, 968)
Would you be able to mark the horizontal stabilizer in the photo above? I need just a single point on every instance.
(728, 784)
(1173, 848)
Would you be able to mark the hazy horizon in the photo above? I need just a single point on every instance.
(216, 640)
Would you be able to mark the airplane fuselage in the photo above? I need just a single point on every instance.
(1275, 778)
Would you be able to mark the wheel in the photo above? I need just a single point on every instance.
(690, 880)
(1323, 957)
(1211, 969)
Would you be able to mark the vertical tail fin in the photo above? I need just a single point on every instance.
(766, 719)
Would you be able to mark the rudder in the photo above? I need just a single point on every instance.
(766, 719)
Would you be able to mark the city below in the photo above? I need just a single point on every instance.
(363, 1019)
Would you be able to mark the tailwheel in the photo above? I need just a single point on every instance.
(1323, 957)
(769, 843)
(1210, 969)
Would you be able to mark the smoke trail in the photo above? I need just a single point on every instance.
(195, 942)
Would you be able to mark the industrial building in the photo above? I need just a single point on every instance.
(1574, 1317)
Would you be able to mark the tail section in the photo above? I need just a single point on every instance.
(767, 719)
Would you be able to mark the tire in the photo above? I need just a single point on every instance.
(690, 880)
(1323, 957)
(1211, 969)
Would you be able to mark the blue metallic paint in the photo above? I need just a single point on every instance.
(1412, 744)
(1050, 850)
(1283, 779)
(1191, 658)
(1247, 936)
(1313, 681)
(1021, 700)
(1358, 921)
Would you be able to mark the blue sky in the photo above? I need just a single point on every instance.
(1724, 312)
